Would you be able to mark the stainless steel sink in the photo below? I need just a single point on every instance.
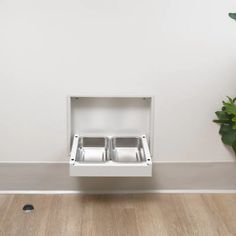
(92, 149)
(127, 149)
(110, 156)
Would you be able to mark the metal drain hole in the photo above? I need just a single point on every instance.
(28, 208)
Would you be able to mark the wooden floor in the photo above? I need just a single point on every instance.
(107, 215)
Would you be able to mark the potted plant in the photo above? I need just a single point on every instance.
(227, 117)
(227, 120)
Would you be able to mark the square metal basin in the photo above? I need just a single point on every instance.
(127, 149)
(92, 149)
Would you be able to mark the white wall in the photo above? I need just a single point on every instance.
(183, 52)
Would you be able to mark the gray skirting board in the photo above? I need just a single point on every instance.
(166, 176)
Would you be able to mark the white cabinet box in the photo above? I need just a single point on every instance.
(110, 136)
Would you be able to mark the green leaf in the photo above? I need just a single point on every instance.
(232, 15)
(226, 103)
(234, 147)
(230, 108)
(226, 129)
(229, 139)
(228, 134)
(222, 115)
(230, 99)
(227, 120)
(219, 121)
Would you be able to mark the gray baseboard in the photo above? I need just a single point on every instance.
(166, 176)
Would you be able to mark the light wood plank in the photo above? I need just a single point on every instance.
(119, 215)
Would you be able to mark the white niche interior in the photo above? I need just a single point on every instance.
(110, 136)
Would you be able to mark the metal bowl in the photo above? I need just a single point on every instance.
(93, 149)
(127, 149)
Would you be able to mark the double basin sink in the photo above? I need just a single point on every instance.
(116, 149)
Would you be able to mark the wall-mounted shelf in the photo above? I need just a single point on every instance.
(110, 136)
(110, 156)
